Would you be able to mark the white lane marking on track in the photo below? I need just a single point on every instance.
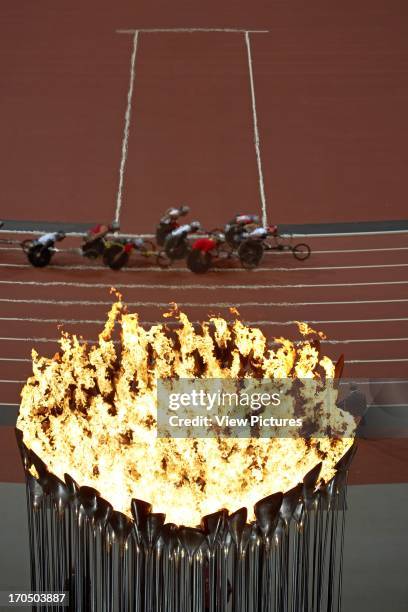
(256, 131)
(326, 252)
(210, 287)
(267, 322)
(197, 305)
(400, 381)
(388, 405)
(74, 302)
(347, 251)
(364, 382)
(345, 234)
(311, 268)
(335, 321)
(54, 340)
(375, 360)
(212, 270)
(309, 236)
(29, 339)
(348, 361)
(363, 340)
(70, 234)
(150, 323)
(13, 381)
(125, 141)
(39, 320)
(192, 30)
(13, 404)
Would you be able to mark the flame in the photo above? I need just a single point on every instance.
(90, 411)
(306, 330)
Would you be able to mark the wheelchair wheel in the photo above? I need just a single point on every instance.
(93, 249)
(233, 236)
(162, 260)
(26, 245)
(90, 253)
(301, 251)
(177, 251)
(115, 257)
(39, 256)
(250, 253)
(199, 261)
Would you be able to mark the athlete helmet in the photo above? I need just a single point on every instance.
(195, 226)
(217, 236)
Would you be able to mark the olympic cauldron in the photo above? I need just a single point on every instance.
(99, 484)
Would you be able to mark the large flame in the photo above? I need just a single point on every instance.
(90, 412)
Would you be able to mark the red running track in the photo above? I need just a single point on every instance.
(331, 87)
(355, 289)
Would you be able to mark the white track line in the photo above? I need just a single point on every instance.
(348, 250)
(327, 322)
(363, 340)
(258, 322)
(256, 131)
(211, 271)
(250, 323)
(346, 234)
(58, 321)
(375, 360)
(185, 287)
(374, 382)
(125, 141)
(348, 361)
(49, 340)
(316, 268)
(13, 404)
(19, 382)
(15, 339)
(70, 234)
(38, 232)
(77, 302)
(192, 30)
(342, 383)
(310, 236)
(285, 253)
(326, 252)
(388, 405)
(198, 305)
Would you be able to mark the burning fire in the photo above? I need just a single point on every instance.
(90, 411)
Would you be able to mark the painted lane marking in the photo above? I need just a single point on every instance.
(184, 287)
(126, 129)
